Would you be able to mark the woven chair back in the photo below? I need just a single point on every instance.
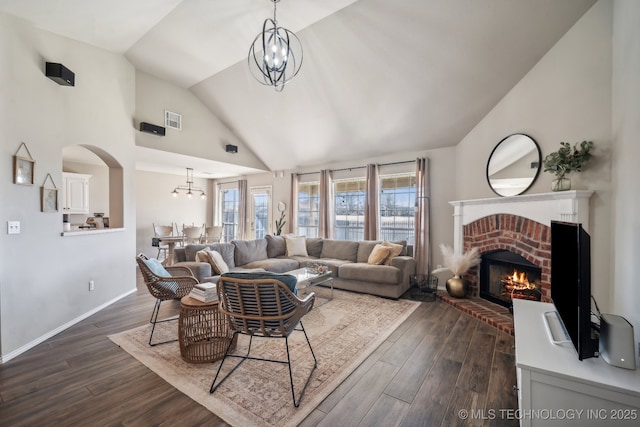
(165, 288)
(264, 307)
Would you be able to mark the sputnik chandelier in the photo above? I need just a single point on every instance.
(275, 56)
(189, 188)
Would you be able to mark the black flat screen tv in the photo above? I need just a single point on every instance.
(571, 284)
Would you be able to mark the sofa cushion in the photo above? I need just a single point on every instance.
(378, 255)
(289, 280)
(365, 247)
(296, 245)
(314, 246)
(274, 265)
(371, 273)
(395, 250)
(275, 246)
(340, 249)
(334, 264)
(249, 250)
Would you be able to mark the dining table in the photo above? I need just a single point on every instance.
(171, 244)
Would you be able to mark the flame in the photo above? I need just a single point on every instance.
(519, 280)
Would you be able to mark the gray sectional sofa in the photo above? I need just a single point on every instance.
(347, 261)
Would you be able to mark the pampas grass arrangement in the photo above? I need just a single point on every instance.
(457, 264)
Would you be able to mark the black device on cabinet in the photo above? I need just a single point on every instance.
(231, 148)
(60, 74)
(571, 284)
(154, 129)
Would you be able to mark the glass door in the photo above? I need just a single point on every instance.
(260, 212)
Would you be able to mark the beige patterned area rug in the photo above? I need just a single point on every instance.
(343, 333)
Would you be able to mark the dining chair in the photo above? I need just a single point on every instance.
(262, 305)
(162, 231)
(191, 234)
(212, 234)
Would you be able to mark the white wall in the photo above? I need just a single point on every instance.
(565, 97)
(202, 135)
(44, 276)
(625, 252)
(155, 204)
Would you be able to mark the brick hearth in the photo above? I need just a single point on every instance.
(495, 315)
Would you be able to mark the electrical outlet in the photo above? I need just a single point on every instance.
(92, 285)
(13, 227)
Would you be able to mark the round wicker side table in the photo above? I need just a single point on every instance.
(203, 332)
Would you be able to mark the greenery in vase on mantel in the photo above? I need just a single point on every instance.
(566, 160)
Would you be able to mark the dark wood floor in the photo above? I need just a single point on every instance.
(438, 364)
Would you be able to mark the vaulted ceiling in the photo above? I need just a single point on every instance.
(378, 76)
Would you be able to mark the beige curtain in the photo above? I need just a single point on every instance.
(242, 209)
(325, 220)
(293, 206)
(371, 206)
(422, 246)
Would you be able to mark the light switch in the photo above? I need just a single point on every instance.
(13, 227)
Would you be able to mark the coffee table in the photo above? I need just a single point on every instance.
(308, 279)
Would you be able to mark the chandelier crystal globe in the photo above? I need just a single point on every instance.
(275, 56)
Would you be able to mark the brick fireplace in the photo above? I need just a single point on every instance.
(523, 236)
(520, 225)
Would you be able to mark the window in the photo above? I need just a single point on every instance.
(229, 213)
(308, 209)
(349, 202)
(397, 207)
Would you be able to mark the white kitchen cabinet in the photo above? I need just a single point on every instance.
(75, 193)
(557, 389)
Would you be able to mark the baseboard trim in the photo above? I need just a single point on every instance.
(6, 357)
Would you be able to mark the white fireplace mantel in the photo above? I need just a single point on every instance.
(569, 206)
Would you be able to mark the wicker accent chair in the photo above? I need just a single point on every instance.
(165, 283)
(263, 307)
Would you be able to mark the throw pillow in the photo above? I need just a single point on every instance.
(296, 245)
(379, 254)
(217, 262)
(395, 251)
(201, 256)
(214, 258)
(156, 267)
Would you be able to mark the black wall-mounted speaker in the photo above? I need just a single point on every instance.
(60, 74)
(231, 148)
(154, 129)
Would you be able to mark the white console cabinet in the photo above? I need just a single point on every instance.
(75, 193)
(557, 389)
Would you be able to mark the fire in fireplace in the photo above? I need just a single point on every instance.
(505, 275)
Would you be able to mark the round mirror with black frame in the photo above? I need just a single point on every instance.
(514, 165)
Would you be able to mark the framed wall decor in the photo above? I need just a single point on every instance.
(23, 167)
(49, 196)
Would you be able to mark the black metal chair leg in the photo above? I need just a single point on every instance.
(214, 386)
(154, 320)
